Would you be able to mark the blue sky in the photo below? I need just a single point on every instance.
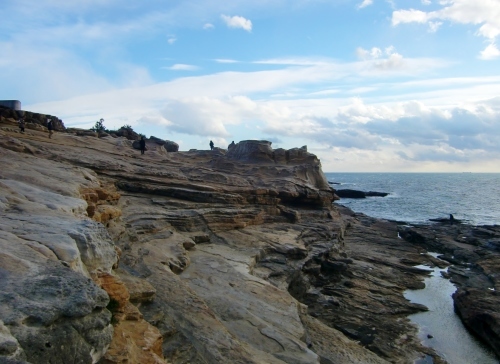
(367, 85)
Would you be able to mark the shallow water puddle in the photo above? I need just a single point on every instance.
(440, 328)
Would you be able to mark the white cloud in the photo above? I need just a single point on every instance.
(408, 130)
(182, 67)
(237, 22)
(208, 26)
(171, 40)
(434, 26)
(365, 3)
(482, 13)
(205, 115)
(224, 60)
(426, 2)
(294, 62)
(409, 16)
(490, 52)
(393, 62)
(373, 53)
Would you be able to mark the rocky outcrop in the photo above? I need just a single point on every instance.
(347, 193)
(33, 120)
(126, 132)
(169, 145)
(480, 313)
(210, 256)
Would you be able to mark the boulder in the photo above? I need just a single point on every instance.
(128, 133)
(170, 146)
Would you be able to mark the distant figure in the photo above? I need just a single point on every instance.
(231, 145)
(142, 144)
(50, 127)
(452, 218)
(21, 125)
(211, 145)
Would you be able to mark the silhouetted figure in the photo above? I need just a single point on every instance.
(452, 218)
(50, 127)
(21, 125)
(142, 144)
(211, 145)
(231, 145)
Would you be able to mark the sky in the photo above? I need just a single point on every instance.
(367, 85)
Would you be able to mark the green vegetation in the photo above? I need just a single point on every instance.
(99, 126)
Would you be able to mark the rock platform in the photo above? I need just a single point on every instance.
(110, 256)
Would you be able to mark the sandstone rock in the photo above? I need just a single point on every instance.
(271, 253)
(170, 146)
(87, 133)
(134, 339)
(140, 290)
(9, 346)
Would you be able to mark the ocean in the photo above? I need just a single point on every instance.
(417, 197)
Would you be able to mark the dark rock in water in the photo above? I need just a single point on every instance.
(333, 183)
(348, 193)
(429, 336)
(375, 194)
(449, 220)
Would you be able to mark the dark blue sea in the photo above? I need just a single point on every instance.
(417, 197)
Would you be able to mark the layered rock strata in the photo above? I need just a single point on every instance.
(193, 257)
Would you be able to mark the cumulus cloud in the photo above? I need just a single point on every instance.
(205, 115)
(365, 3)
(208, 26)
(171, 40)
(392, 61)
(373, 53)
(482, 13)
(237, 22)
(490, 52)
(412, 123)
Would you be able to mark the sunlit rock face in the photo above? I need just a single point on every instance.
(205, 256)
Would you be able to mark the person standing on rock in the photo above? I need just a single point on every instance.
(211, 145)
(21, 125)
(50, 127)
(142, 145)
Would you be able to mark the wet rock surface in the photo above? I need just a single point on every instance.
(204, 257)
(474, 253)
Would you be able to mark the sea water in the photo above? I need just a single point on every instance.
(448, 335)
(415, 198)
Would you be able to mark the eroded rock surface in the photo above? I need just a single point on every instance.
(216, 256)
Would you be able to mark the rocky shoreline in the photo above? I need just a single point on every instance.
(217, 256)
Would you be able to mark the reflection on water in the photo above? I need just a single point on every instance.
(441, 328)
